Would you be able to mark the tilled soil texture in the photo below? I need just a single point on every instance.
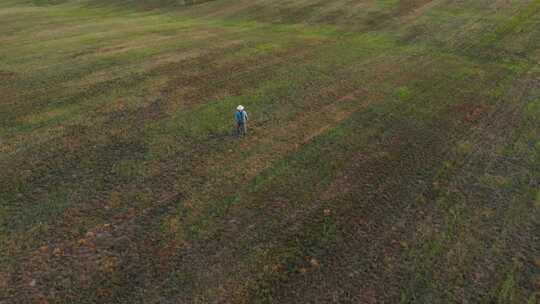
(392, 156)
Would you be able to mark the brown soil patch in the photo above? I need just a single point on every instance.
(417, 10)
(109, 251)
(408, 6)
(7, 75)
(471, 112)
(3, 281)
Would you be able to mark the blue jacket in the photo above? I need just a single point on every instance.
(241, 116)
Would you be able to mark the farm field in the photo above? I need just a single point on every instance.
(392, 155)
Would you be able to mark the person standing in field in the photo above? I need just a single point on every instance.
(241, 117)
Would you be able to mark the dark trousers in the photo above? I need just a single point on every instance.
(241, 128)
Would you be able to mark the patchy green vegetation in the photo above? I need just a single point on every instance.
(393, 151)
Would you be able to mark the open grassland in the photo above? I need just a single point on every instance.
(393, 153)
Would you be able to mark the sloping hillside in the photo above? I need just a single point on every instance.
(393, 153)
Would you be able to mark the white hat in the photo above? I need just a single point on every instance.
(240, 108)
